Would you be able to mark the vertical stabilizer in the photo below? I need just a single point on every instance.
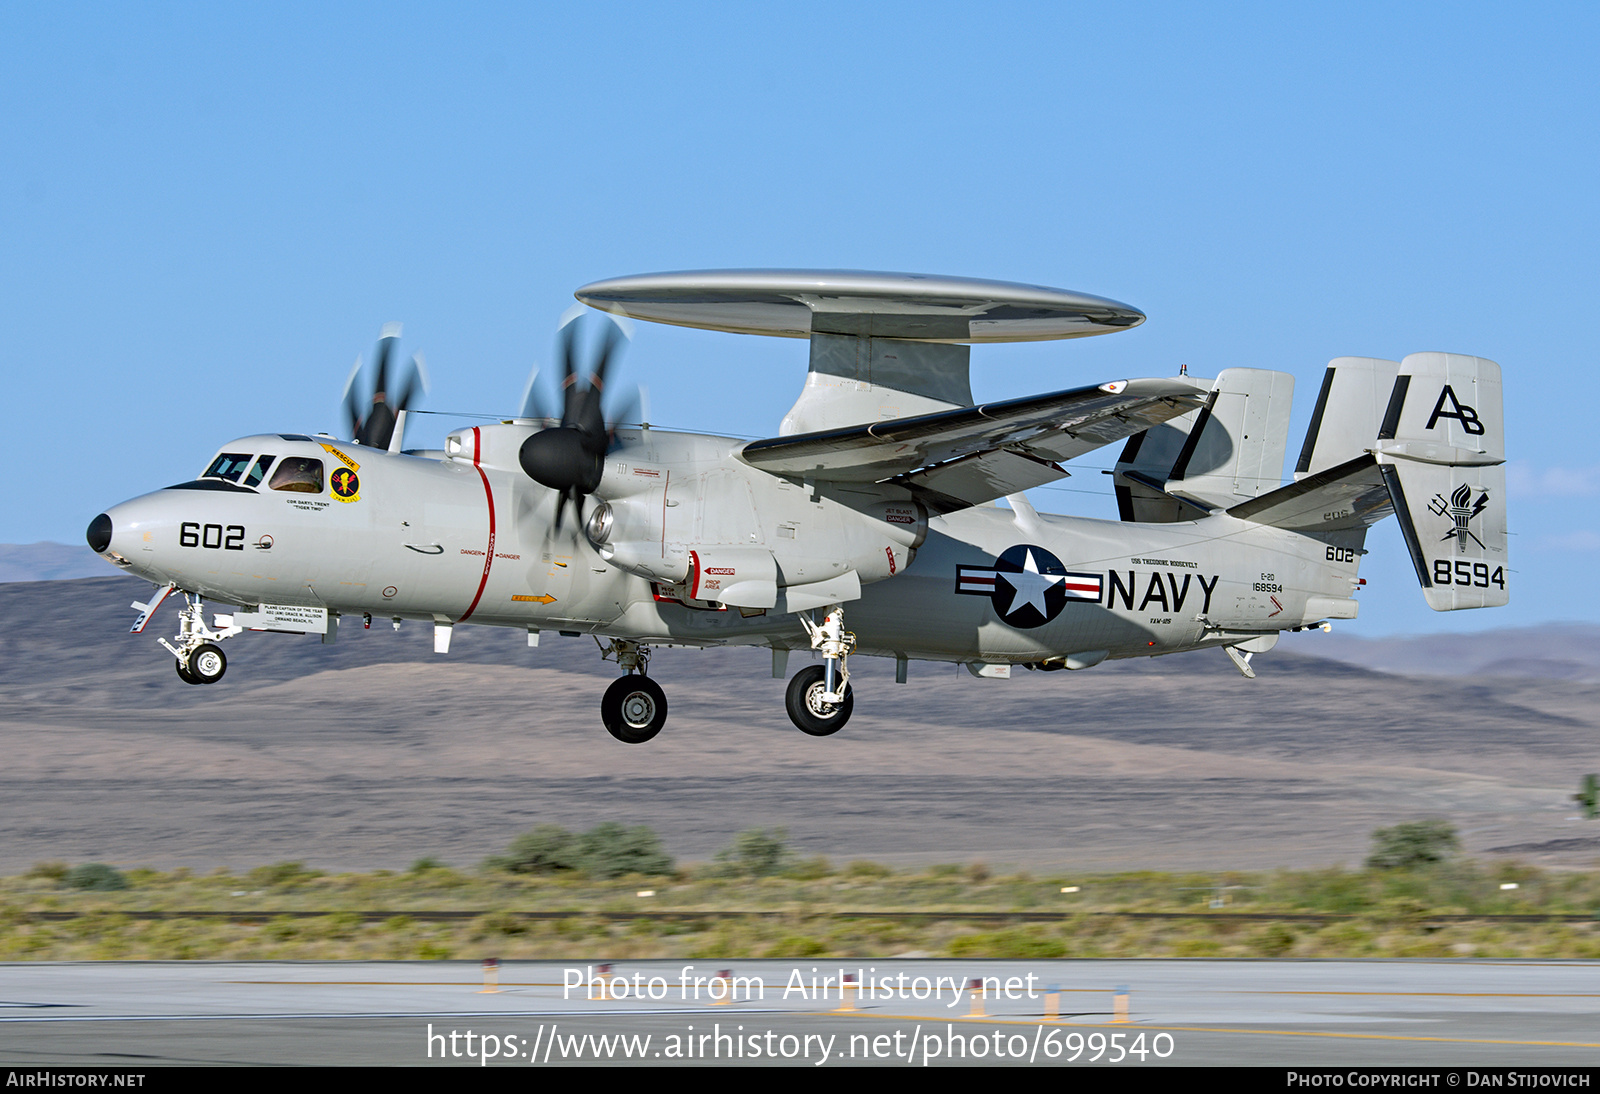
(1441, 448)
(1348, 414)
(1238, 452)
(1228, 451)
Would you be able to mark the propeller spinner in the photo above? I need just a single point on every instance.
(570, 457)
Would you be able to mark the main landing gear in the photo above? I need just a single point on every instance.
(807, 707)
(819, 699)
(634, 707)
(200, 659)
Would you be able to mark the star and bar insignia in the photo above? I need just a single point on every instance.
(1027, 585)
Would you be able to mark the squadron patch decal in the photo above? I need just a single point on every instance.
(1027, 585)
(345, 484)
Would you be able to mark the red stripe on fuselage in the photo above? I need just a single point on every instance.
(488, 555)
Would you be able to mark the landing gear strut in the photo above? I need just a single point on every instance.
(634, 707)
(819, 699)
(200, 659)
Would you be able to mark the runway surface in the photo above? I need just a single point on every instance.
(1344, 1014)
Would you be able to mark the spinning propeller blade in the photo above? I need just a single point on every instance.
(376, 426)
(570, 457)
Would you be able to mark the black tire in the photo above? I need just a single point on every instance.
(184, 674)
(634, 709)
(806, 709)
(207, 663)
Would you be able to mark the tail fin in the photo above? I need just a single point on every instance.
(1229, 450)
(1436, 463)
(1441, 450)
(1348, 414)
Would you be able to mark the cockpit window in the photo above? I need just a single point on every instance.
(260, 469)
(229, 466)
(298, 475)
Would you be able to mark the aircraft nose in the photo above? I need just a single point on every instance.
(99, 534)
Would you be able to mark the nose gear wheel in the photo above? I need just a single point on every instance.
(207, 663)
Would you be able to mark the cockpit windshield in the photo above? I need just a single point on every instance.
(228, 466)
(260, 469)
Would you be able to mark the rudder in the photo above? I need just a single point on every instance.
(1441, 449)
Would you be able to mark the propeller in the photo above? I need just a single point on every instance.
(570, 457)
(376, 427)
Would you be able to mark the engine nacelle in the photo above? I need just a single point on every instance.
(743, 539)
(626, 535)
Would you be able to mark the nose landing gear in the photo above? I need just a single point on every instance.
(200, 659)
(205, 664)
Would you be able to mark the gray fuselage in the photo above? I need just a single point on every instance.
(466, 537)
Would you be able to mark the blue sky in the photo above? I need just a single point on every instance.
(207, 212)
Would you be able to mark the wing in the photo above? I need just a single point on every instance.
(963, 457)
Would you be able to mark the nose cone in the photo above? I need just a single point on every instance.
(99, 534)
(130, 533)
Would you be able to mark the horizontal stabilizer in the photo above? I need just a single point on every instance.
(1348, 497)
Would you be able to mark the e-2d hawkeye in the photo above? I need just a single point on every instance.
(868, 524)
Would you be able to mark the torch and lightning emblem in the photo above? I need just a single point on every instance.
(1460, 509)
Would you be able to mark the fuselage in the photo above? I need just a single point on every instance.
(463, 536)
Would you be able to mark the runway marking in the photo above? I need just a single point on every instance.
(1221, 1029)
(665, 1011)
(466, 984)
(1375, 1036)
(527, 984)
(323, 1015)
(1446, 994)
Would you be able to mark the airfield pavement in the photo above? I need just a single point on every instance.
(374, 751)
(1379, 1014)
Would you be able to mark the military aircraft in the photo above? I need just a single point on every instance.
(868, 525)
